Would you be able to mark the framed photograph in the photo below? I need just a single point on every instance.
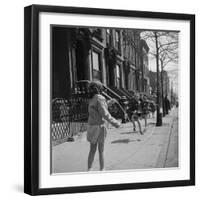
(109, 99)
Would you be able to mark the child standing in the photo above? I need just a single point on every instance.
(96, 132)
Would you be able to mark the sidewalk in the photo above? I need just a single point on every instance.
(124, 149)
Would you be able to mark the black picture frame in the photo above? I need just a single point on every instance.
(31, 98)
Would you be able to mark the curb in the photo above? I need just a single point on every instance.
(164, 150)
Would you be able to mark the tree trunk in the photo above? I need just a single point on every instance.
(159, 115)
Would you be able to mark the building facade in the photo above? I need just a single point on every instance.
(116, 57)
(153, 83)
(144, 63)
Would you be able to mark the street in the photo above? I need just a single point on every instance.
(124, 149)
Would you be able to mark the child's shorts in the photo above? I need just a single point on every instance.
(96, 133)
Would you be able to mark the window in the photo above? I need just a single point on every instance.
(118, 76)
(96, 66)
(117, 40)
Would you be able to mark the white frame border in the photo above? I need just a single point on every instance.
(46, 180)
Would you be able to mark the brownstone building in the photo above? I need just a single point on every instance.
(116, 57)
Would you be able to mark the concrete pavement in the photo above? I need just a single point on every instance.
(172, 151)
(124, 149)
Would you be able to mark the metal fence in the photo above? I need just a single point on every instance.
(69, 118)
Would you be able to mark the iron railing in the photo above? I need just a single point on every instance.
(69, 118)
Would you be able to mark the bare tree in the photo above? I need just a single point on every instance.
(164, 48)
(168, 54)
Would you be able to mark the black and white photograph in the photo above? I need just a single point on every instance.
(114, 99)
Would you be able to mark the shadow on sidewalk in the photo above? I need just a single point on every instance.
(126, 141)
(128, 132)
(151, 123)
(165, 124)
